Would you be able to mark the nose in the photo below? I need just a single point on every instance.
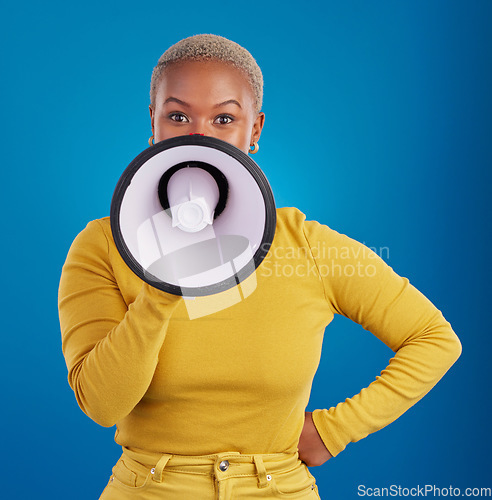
(201, 126)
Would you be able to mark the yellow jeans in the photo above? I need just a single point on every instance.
(221, 476)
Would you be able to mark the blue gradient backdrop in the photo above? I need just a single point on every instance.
(378, 125)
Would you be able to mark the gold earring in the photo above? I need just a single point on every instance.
(255, 149)
(151, 140)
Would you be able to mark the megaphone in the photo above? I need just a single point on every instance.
(193, 216)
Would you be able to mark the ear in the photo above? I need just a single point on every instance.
(151, 118)
(257, 127)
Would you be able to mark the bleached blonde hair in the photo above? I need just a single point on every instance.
(210, 47)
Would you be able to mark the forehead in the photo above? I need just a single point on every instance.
(210, 80)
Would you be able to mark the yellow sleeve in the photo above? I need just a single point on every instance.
(111, 349)
(358, 284)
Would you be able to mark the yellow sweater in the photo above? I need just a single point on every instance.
(239, 379)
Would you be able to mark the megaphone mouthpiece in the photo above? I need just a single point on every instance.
(193, 195)
(192, 216)
(188, 181)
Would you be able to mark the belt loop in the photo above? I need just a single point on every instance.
(260, 468)
(157, 470)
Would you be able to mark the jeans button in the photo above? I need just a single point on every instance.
(224, 465)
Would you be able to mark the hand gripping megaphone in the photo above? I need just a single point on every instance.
(193, 216)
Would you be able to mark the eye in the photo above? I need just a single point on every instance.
(178, 117)
(223, 119)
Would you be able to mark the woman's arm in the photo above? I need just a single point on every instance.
(111, 348)
(361, 286)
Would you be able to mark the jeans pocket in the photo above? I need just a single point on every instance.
(295, 483)
(130, 474)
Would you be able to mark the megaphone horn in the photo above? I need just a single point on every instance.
(193, 215)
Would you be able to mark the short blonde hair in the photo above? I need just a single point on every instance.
(210, 47)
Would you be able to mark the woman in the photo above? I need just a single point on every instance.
(215, 407)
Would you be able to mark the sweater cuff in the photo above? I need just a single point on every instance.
(330, 433)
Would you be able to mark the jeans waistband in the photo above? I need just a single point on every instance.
(220, 465)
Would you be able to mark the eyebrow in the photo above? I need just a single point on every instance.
(175, 99)
(229, 101)
(183, 103)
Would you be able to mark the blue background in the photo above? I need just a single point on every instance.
(378, 125)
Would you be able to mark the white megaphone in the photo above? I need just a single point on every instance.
(193, 216)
